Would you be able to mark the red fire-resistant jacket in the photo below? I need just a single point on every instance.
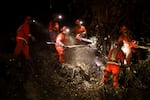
(23, 32)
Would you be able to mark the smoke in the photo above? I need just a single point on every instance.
(85, 58)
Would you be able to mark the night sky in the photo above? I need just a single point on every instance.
(14, 11)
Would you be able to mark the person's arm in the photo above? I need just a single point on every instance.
(79, 37)
(26, 29)
(59, 40)
(120, 39)
(83, 30)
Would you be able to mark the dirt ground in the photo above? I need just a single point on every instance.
(44, 78)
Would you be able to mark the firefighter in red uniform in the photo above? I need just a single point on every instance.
(61, 41)
(54, 31)
(129, 44)
(115, 60)
(22, 38)
(79, 30)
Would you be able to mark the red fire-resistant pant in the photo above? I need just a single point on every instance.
(22, 47)
(115, 70)
(60, 53)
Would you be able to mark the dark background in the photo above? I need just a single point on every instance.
(43, 79)
(112, 13)
(135, 12)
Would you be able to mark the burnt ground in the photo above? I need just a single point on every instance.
(43, 78)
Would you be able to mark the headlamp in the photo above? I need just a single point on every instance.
(81, 22)
(67, 30)
(59, 16)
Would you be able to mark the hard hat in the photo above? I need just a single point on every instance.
(28, 18)
(64, 29)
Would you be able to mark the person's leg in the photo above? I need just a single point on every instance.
(61, 54)
(61, 58)
(115, 72)
(128, 58)
(18, 48)
(26, 52)
(106, 73)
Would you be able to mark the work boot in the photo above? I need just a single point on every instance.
(117, 90)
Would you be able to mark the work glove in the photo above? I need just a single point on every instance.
(78, 37)
(62, 46)
(33, 38)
